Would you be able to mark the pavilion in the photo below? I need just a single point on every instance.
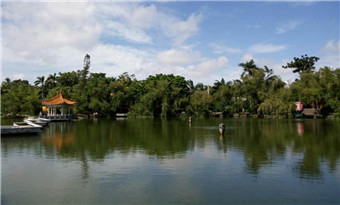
(58, 108)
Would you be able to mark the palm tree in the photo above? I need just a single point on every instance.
(40, 81)
(270, 77)
(51, 81)
(190, 85)
(248, 67)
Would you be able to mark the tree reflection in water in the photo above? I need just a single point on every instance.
(262, 142)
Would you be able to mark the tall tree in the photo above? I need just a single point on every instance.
(303, 64)
(40, 81)
(51, 81)
(83, 74)
(86, 67)
(248, 67)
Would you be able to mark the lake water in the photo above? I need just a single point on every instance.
(257, 161)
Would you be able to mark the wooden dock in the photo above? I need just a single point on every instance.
(7, 130)
(29, 126)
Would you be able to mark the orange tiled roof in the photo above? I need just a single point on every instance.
(59, 99)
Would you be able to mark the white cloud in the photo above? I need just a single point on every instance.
(144, 17)
(132, 22)
(110, 59)
(121, 20)
(283, 28)
(205, 71)
(39, 26)
(36, 32)
(266, 48)
(44, 38)
(33, 31)
(117, 29)
(247, 57)
(177, 57)
(219, 49)
(18, 76)
(207, 67)
(182, 30)
(331, 46)
(115, 60)
(330, 54)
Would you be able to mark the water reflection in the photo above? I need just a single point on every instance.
(300, 128)
(263, 143)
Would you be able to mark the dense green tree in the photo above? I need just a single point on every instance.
(121, 94)
(222, 96)
(278, 104)
(217, 86)
(252, 81)
(330, 90)
(303, 64)
(200, 86)
(66, 82)
(319, 90)
(258, 91)
(5, 86)
(19, 97)
(200, 104)
(165, 96)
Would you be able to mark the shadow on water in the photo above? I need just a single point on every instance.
(261, 142)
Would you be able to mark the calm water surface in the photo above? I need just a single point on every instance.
(169, 162)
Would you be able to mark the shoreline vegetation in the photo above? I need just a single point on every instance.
(259, 93)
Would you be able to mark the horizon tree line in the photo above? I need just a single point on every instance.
(258, 92)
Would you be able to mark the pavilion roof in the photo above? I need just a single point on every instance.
(57, 100)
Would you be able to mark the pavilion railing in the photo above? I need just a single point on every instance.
(60, 117)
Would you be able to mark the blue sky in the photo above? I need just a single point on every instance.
(202, 41)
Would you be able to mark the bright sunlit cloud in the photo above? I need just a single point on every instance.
(283, 28)
(203, 41)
